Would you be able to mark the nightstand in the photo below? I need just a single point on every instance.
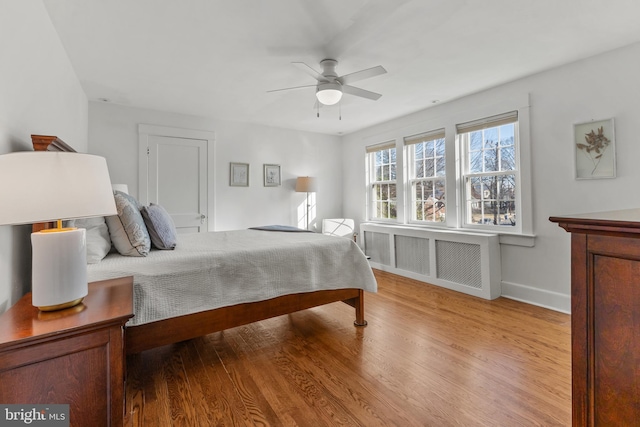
(73, 356)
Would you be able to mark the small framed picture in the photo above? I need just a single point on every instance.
(239, 174)
(595, 150)
(271, 175)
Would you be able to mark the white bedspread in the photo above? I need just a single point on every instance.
(217, 269)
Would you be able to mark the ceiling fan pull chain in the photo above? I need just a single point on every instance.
(340, 111)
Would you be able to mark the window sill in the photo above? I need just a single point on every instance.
(510, 238)
(524, 240)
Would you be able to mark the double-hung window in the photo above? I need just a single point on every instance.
(426, 176)
(490, 170)
(481, 181)
(382, 181)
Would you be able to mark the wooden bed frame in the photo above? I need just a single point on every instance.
(154, 334)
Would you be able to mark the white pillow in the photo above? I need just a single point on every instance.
(98, 240)
(127, 230)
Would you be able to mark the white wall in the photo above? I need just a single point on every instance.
(595, 88)
(39, 94)
(113, 133)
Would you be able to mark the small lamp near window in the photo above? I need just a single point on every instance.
(51, 186)
(306, 184)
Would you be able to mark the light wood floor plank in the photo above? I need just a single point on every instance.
(227, 403)
(199, 382)
(429, 357)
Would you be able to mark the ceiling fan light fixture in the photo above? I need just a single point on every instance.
(329, 93)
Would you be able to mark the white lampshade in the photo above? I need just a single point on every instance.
(329, 93)
(50, 186)
(306, 184)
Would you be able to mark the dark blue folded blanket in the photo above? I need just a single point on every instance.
(280, 228)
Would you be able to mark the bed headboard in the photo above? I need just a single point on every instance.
(48, 143)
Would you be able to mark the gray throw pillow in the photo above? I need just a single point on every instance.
(160, 226)
(127, 230)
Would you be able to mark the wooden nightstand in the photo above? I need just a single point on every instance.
(73, 356)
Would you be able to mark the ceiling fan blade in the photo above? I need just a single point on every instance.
(313, 73)
(351, 90)
(291, 88)
(361, 75)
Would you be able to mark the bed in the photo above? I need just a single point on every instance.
(219, 280)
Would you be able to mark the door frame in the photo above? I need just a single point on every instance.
(145, 131)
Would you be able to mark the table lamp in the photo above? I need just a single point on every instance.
(306, 184)
(52, 186)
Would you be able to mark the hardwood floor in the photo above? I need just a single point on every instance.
(429, 357)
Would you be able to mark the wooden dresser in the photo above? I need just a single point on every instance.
(73, 356)
(605, 317)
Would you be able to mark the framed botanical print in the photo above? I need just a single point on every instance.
(595, 151)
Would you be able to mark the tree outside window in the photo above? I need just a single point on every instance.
(491, 175)
(427, 172)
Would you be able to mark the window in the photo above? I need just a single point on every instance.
(426, 168)
(490, 170)
(456, 173)
(382, 179)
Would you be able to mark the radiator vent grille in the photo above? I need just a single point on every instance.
(412, 254)
(377, 247)
(459, 263)
(463, 261)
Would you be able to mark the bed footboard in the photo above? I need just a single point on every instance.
(154, 334)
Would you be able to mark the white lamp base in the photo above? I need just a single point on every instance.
(59, 268)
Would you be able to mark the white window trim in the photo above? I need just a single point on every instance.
(523, 234)
(465, 174)
(370, 149)
(408, 187)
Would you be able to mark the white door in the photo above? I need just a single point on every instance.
(177, 176)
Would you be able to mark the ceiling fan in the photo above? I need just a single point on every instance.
(330, 86)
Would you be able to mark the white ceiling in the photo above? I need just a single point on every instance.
(218, 58)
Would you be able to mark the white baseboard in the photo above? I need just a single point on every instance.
(547, 299)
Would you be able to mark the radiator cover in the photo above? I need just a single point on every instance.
(463, 261)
